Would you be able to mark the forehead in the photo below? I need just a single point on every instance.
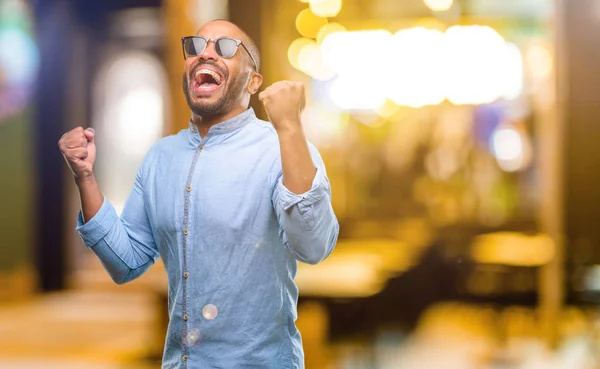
(219, 29)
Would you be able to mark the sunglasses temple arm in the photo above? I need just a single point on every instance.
(250, 55)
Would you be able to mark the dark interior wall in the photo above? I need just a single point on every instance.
(247, 15)
(16, 187)
(581, 101)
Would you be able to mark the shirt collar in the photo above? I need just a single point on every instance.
(224, 127)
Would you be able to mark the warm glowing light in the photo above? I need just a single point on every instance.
(326, 8)
(416, 70)
(294, 50)
(539, 61)
(340, 50)
(417, 67)
(310, 61)
(359, 269)
(328, 29)
(307, 57)
(513, 249)
(506, 143)
(324, 127)
(139, 119)
(475, 59)
(308, 23)
(387, 110)
(357, 87)
(439, 5)
(351, 93)
(511, 148)
(129, 118)
(513, 71)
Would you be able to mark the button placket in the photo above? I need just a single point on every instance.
(186, 232)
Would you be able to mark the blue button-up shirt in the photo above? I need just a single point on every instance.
(230, 235)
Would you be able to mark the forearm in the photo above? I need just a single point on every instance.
(124, 253)
(90, 196)
(113, 263)
(296, 161)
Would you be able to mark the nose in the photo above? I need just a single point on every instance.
(209, 53)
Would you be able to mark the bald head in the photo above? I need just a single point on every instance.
(233, 30)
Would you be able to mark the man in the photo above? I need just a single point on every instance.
(230, 204)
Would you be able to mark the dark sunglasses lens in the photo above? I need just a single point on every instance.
(194, 46)
(226, 47)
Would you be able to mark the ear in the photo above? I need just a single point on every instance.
(254, 83)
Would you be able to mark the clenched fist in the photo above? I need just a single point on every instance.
(283, 102)
(79, 150)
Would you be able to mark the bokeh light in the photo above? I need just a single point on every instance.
(19, 58)
(308, 23)
(539, 60)
(511, 148)
(476, 59)
(210, 311)
(193, 337)
(416, 71)
(416, 67)
(324, 127)
(513, 249)
(310, 61)
(294, 50)
(439, 5)
(513, 71)
(326, 8)
(328, 29)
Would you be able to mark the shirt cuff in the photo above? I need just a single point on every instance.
(287, 198)
(96, 228)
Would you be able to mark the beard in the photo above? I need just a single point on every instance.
(230, 90)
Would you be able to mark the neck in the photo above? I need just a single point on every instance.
(204, 122)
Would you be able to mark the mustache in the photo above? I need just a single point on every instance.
(205, 63)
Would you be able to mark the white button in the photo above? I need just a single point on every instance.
(210, 311)
(201, 148)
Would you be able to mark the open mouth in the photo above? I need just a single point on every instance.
(206, 80)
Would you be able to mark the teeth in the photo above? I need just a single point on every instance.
(210, 72)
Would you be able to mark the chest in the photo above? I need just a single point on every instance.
(217, 192)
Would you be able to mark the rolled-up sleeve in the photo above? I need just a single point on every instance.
(125, 245)
(307, 224)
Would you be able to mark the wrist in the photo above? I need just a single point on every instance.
(85, 180)
(288, 127)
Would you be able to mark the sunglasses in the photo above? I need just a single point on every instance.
(226, 47)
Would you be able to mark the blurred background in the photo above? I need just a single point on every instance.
(460, 139)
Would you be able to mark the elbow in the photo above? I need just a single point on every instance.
(320, 248)
(313, 259)
(309, 252)
(123, 276)
(120, 278)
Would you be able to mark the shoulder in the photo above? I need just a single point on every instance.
(168, 143)
(164, 145)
